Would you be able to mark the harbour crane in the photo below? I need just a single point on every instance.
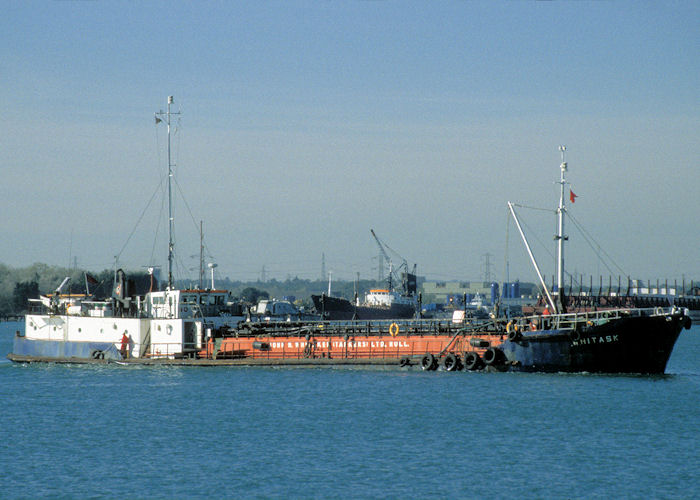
(384, 256)
(383, 247)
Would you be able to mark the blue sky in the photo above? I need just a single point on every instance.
(305, 124)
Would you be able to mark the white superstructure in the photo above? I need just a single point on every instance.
(384, 298)
(162, 324)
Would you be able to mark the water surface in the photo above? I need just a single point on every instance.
(129, 431)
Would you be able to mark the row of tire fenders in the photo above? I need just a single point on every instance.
(472, 361)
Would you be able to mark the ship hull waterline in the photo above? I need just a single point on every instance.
(636, 345)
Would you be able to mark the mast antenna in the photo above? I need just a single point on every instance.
(560, 237)
(167, 115)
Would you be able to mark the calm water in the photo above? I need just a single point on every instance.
(125, 432)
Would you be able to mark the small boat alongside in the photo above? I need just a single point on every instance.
(162, 324)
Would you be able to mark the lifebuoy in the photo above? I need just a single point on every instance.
(394, 329)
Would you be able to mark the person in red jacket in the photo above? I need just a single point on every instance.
(125, 346)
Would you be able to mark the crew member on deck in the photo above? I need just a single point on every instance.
(125, 346)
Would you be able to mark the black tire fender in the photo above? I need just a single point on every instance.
(472, 361)
(450, 363)
(493, 356)
(428, 362)
(514, 335)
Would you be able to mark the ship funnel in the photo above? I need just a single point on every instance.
(120, 285)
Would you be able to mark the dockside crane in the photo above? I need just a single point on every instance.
(384, 255)
(408, 278)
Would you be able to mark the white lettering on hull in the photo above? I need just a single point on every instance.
(607, 339)
(340, 344)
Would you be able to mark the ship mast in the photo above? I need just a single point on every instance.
(560, 237)
(167, 114)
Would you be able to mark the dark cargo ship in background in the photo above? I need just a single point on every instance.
(379, 303)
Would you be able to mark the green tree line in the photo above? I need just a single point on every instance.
(17, 285)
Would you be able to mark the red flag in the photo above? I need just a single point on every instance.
(572, 196)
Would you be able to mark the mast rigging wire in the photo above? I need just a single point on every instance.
(139, 220)
(588, 238)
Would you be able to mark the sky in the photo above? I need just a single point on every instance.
(304, 124)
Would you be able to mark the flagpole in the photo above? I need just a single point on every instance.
(171, 221)
(170, 206)
(560, 232)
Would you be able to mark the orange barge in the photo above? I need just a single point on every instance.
(613, 341)
(428, 343)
